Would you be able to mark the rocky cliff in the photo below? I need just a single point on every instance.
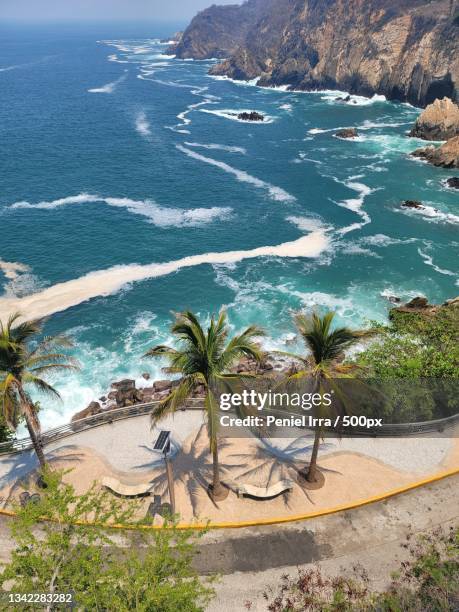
(446, 156)
(219, 30)
(405, 49)
(439, 121)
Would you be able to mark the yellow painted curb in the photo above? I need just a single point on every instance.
(275, 521)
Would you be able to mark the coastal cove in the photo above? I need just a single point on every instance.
(145, 193)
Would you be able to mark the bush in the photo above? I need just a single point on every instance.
(427, 582)
(150, 572)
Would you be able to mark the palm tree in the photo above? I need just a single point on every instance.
(326, 347)
(22, 366)
(203, 359)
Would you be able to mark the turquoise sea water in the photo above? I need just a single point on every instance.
(113, 154)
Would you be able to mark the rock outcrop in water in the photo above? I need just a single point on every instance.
(252, 116)
(446, 156)
(347, 133)
(405, 50)
(439, 121)
(453, 182)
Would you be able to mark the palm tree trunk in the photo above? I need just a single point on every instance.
(311, 476)
(215, 468)
(33, 427)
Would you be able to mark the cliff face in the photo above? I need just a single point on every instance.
(219, 30)
(407, 50)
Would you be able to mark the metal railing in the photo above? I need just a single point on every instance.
(108, 416)
(118, 414)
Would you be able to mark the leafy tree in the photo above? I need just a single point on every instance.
(416, 345)
(56, 552)
(323, 363)
(204, 358)
(23, 366)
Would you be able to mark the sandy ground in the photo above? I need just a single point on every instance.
(349, 475)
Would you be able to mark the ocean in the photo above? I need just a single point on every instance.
(130, 191)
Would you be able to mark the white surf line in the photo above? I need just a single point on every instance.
(64, 295)
(217, 147)
(429, 262)
(276, 193)
(12, 269)
(109, 88)
(355, 204)
(157, 215)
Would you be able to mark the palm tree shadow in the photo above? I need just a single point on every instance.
(27, 471)
(273, 463)
(192, 468)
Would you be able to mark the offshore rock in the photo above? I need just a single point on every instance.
(453, 182)
(347, 133)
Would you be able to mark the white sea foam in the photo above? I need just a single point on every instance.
(157, 215)
(429, 262)
(381, 240)
(142, 124)
(217, 147)
(232, 114)
(430, 213)
(107, 282)
(275, 193)
(355, 204)
(309, 224)
(81, 198)
(114, 58)
(12, 269)
(353, 100)
(109, 88)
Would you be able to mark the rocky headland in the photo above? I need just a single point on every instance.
(438, 121)
(407, 51)
(445, 156)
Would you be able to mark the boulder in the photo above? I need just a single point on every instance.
(162, 385)
(347, 133)
(418, 302)
(446, 156)
(439, 121)
(412, 204)
(91, 410)
(252, 116)
(146, 375)
(124, 385)
(343, 99)
(453, 182)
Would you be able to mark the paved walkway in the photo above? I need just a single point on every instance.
(127, 445)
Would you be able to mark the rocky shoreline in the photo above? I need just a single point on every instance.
(125, 393)
(406, 51)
